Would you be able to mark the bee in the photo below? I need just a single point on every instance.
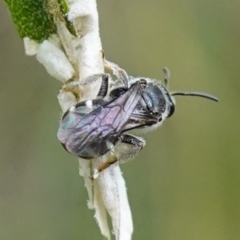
(99, 126)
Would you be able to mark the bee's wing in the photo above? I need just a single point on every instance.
(72, 118)
(141, 119)
(115, 114)
(107, 121)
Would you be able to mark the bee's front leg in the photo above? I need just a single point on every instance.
(120, 73)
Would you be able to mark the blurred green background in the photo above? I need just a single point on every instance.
(185, 184)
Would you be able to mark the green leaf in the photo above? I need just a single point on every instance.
(32, 18)
(64, 10)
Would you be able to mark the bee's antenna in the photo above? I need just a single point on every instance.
(166, 76)
(195, 94)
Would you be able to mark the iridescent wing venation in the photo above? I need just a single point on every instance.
(103, 124)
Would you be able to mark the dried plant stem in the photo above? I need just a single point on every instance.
(109, 191)
(64, 36)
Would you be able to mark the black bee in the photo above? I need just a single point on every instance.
(95, 127)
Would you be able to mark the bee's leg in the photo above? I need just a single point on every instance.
(118, 72)
(72, 87)
(129, 147)
(122, 76)
(73, 92)
(92, 82)
(111, 160)
(93, 78)
(104, 86)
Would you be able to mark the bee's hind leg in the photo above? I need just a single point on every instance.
(111, 160)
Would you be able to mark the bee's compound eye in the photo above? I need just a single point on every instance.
(171, 109)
